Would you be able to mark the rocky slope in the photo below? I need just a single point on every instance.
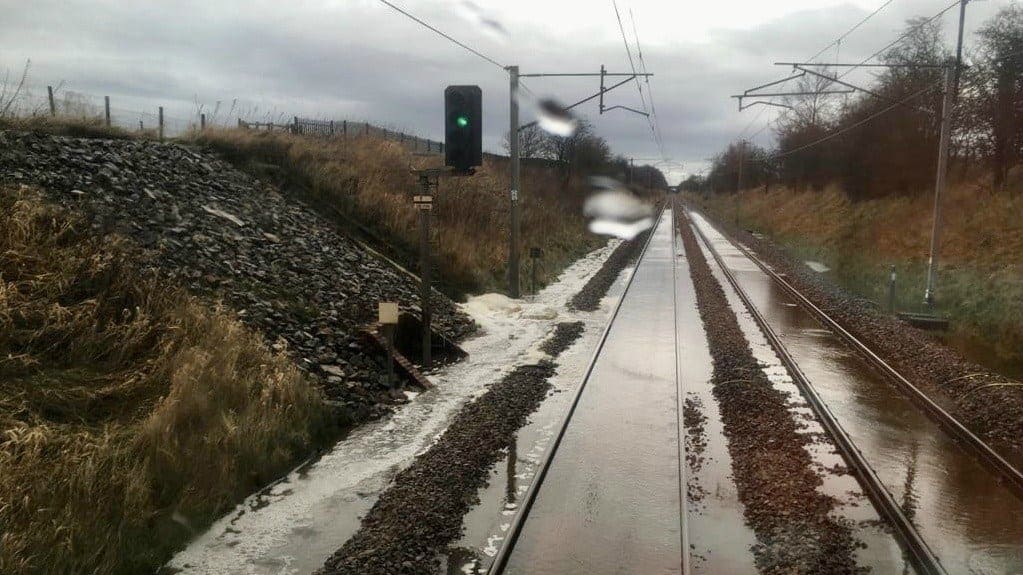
(279, 265)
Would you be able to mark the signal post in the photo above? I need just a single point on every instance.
(463, 151)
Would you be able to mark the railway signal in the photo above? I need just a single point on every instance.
(463, 127)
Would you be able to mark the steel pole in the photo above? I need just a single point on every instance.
(939, 184)
(513, 141)
(959, 46)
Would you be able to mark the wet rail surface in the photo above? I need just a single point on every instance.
(610, 501)
(971, 521)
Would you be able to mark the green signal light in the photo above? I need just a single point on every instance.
(462, 121)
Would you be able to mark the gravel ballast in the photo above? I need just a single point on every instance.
(987, 403)
(203, 224)
(588, 298)
(774, 474)
(421, 513)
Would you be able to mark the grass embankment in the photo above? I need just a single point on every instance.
(130, 415)
(72, 127)
(366, 186)
(980, 285)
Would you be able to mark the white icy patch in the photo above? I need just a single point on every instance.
(817, 266)
(293, 526)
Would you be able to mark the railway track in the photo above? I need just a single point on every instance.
(918, 551)
(528, 500)
(998, 465)
(916, 543)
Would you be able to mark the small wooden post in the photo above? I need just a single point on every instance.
(367, 128)
(106, 108)
(296, 125)
(332, 128)
(344, 128)
(388, 317)
(202, 122)
(140, 126)
(161, 123)
(53, 105)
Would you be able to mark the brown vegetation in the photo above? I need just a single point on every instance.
(130, 414)
(365, 185)
(980, 285)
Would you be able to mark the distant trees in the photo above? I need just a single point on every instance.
(885, 143)
(757, 168)
(583, 153)
(995, 95)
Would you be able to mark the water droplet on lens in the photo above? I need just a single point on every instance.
(614, 211)
(554, 118)
(475, 14)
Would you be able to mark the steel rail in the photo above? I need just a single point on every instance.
(504, 553)
(1004, 470)
(919, 553)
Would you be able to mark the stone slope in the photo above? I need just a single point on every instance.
(224, 235)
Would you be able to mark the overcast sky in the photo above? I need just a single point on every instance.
(359, 59)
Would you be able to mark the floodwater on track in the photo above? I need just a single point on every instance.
(973, 523)
(486, 524)
(610, 502)
(720, 542)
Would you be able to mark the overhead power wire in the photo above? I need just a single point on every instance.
(864, 61)
(628, 51)
(652, 118)
(428, 26)
(905, 35)
(837, 133)
(850, 31)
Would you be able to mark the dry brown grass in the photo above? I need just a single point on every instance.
(77, 127)
(366, 184)
(130, 414)
(981, 280)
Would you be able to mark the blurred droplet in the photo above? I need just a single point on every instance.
(625, 231)
(476, 15)
(614, 211)
(554, 118)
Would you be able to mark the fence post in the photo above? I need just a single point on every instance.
(140, 126)
(106, 108)
(240, 123)
(296, 125)
(344, 128)
(53, 105)
(332, 127)
(161, 123)
(367, 128)
(202, 122)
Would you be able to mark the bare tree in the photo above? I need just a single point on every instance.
(532, 142)
(9, 95)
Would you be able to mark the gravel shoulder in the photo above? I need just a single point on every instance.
(986, 402)
(420, 515)
(588, 298)
(774, 474)
(227, 237)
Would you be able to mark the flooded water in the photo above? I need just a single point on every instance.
(972, 523)
(719, 539)
(611, 502)
(486, 525)
(294, 525)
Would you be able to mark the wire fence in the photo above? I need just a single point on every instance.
(177, 118)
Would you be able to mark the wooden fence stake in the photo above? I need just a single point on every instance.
(161, 123)
(53, 105)
(106, 108)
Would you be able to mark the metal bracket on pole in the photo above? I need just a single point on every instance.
(641, 113)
